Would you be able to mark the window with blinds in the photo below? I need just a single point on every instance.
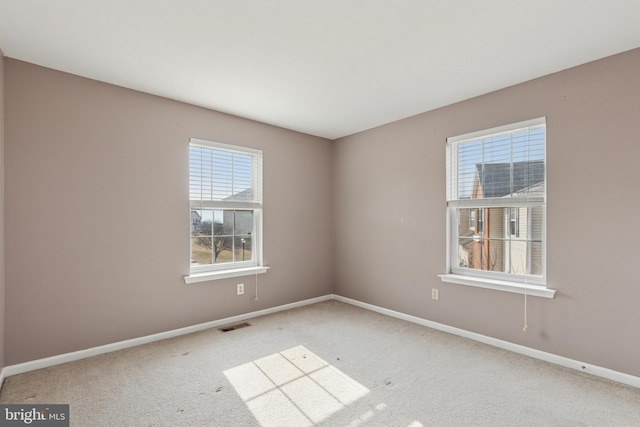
(225, 193)
(496, 199)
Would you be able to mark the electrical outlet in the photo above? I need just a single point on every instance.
(435, 294)
(240, 288)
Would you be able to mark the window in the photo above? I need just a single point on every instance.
(480, 225)
(513, 221)
(496, 203)
(225, 192)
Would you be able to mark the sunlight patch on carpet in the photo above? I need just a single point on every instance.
(293, 387)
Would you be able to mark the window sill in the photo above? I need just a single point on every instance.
(499, 285)
(223, 274)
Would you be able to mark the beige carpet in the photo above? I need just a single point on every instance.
(328, 364)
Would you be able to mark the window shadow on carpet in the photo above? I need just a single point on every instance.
(293, 387)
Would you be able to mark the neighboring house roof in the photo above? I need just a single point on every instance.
(536, 189)
(501, 179)
(242, 196)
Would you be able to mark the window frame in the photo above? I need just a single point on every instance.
(510, 282)
(199, 273)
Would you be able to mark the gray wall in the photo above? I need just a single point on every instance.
(389, 215)
(2, 303)
(97, 219)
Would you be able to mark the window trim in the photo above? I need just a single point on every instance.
(201, 273)
(524, 284)
(207, 276)
(499, 285)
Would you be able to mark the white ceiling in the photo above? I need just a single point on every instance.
(324, 67)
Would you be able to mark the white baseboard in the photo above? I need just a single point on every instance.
(516, 348)
(107, 348)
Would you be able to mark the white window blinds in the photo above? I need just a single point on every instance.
(484, 169)
(224, 176)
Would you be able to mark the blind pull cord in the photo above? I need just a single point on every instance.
(256, 297)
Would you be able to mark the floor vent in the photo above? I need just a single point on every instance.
(234, 327)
